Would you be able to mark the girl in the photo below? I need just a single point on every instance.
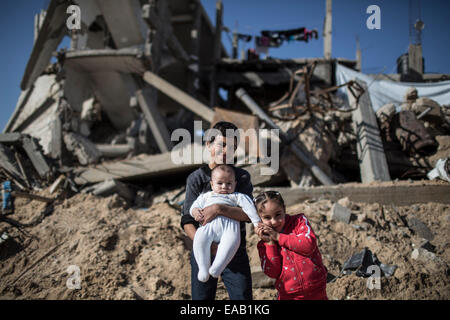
(288, 251)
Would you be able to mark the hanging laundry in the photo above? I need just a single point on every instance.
(299, 34)
(244, 37)
(273, 42)
(262, 45)
(307, 35)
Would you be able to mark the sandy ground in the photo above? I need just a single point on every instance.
(143, 253)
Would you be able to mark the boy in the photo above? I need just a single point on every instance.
(222, 229)
(236, 276)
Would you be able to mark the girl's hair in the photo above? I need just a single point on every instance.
(261, 199)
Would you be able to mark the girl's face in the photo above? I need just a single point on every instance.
(273, 215)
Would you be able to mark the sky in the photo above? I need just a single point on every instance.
(380, 47)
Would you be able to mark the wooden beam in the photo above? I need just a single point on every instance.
(248, 144)
(179, 96)
(372, 160)
(300, 151)
(154, 119)
(31, 196)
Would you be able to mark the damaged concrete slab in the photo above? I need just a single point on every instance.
(381, 192)
(106, 107)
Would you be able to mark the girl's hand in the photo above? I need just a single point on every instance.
(259, 230)
(273, 235)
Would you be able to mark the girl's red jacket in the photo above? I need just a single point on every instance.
(295, 261)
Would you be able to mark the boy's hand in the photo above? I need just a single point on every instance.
(209, 213)
(198, 215)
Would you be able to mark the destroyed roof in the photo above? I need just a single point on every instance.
(272, 71)
(124, 21)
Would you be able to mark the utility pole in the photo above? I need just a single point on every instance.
(327, 31)
(235, 44)
(217, 53)
(358, 55)
(416, 25)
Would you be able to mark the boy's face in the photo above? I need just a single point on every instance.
(273, 215)
(223, 182)
(222, 150)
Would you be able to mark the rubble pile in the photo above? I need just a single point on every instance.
(141, 253)
(88, 178)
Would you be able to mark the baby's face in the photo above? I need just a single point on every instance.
(223, 182)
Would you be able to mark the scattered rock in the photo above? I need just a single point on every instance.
(259, 279)
(109, 241)
(361, 217)
(424, 244)
(420, 228)
(423, 255)
(345, 202)
(340, 213)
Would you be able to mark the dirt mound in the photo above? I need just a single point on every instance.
(121, 253)
(143, 253)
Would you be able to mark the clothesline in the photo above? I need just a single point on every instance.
(276, 38)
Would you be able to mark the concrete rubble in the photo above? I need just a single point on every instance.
(107, 101)
(98, 119)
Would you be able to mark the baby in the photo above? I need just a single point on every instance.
(221, 229)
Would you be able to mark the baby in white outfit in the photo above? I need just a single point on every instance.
(221, 229)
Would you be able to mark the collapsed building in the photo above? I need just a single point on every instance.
(102, 111)
(98, 117)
